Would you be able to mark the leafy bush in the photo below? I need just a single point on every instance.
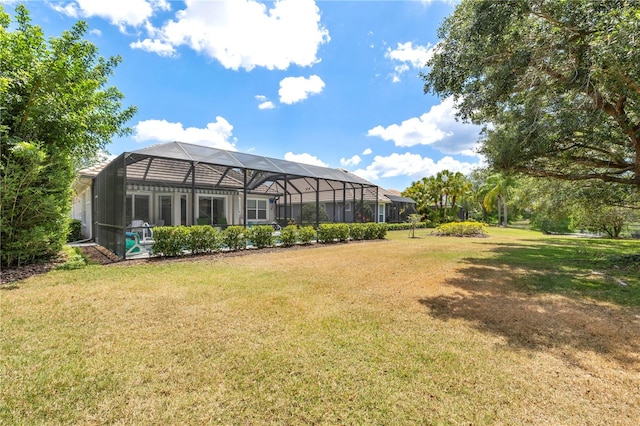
(34, 202)
(332, 232)
(306, 234)
(75, 230)
(356, 231)
(75, 260)
(342, 231)
(234, 237)
(327, 233)
(406, 226)
(171, 240)
(370, 231)
(381, 231)
(461, 229)
(308, 214)
(289, 235)
(204, 239)
(261, 235)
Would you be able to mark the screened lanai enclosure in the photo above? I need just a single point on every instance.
(184, 184)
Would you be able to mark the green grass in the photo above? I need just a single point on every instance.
(516, 328)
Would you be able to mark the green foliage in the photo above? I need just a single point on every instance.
(306, 234)
(605, 219)
(557, 81)
(356, 231)
(170, 240)
(461, 229)
(75, 230)
(203, 239)
(55, 113)
(75, 260)
(406, 226)
(308, 214)
(289, 235)
(439, 195)
(35, 201)
(234, 237)
(261, 235)
(334, 232)
(381, 231)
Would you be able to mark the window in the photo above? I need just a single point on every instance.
(137, 208)
(211, 208)
(347, 207)
(257, 209)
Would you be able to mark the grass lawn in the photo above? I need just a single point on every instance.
(516, 328)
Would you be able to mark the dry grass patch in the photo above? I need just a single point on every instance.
(404, 331)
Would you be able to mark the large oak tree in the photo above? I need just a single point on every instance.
(555, 82)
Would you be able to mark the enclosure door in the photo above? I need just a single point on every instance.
(165, 208)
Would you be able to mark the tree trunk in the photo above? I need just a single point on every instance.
(504, 206)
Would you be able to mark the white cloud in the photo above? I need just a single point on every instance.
(155, 46)
(413, 165)
(305, 158)
(95, 32)
(122, 13)
(437, 128)
(367, 151)
(408, 56)
(217, 134)
(266, 105)
(353, 161)
(246, 34)
(296, 89)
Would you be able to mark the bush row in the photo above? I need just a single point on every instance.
(406, 225)
(176, 240)
(461, 229)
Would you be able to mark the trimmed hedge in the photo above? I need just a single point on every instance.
(306, 234)
(176, 240)
(234, 237)
(289, 235)
(170, 240)
(204, 239)
(261, 236)
(461, 229)
(405, 226)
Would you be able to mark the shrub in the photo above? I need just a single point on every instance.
(234, 237)
(34, 202)
(381, 231)
(171, 240)
(370, 231)
(357, 231)
(406, 225)
(289, 235)
(331, 232)
(461, 229)
(261, 236)
(327, 233)
(75, 230)
(306, 234)
(75, 260)
(342, 231)
(204, 239)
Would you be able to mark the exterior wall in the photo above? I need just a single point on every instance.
(81, 209)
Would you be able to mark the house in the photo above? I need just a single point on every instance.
(178, 183)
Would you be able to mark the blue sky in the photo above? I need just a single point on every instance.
(333, 83)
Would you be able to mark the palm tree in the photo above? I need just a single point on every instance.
(497, 189)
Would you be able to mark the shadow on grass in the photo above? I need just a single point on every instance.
(546, 294)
